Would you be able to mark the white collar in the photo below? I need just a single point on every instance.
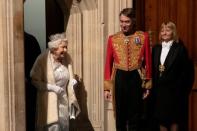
(167, 44)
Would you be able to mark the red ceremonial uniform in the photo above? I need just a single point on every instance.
(127, 53)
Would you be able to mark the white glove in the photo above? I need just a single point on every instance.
(73, 82)
(58, 90)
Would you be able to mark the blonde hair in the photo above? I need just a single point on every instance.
(56, 39)
(171, 26)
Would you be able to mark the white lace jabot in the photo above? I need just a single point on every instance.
(165, 49)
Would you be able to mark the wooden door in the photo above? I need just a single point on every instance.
(182, 13)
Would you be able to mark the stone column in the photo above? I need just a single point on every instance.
(85, 36)
(12, 107)
(90, 23)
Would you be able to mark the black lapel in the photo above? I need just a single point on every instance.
(157, 55)
(171, 56)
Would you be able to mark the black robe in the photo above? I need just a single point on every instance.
(171, 89)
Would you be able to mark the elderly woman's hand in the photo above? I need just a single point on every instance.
(58, 90)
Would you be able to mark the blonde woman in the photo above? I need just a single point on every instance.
(170, 65)
(52, 75)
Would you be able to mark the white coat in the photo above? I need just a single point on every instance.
(47, 101)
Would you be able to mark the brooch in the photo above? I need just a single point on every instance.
(161, 69)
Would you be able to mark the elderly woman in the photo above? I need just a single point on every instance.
(52, 75)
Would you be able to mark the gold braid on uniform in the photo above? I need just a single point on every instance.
(108, 85)
(146, 84)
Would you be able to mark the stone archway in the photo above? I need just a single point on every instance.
(87, 49)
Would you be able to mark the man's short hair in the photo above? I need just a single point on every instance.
(128, 12)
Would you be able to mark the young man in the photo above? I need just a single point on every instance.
(128, 61)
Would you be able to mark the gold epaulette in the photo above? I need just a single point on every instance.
(118, 35)
(139, 32)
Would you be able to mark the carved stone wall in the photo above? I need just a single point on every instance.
(84, 33)
(90, 23)
(12, 107)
